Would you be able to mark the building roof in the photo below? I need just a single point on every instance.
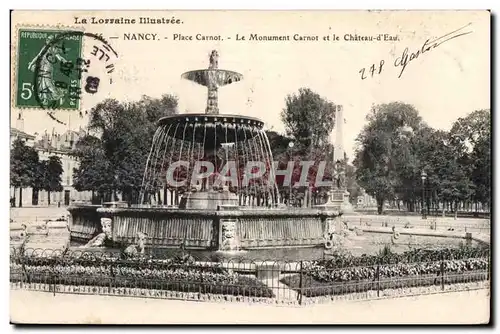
(18, 133)
(51, 149)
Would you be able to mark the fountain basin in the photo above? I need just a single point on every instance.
(206, 128)
(229, 229)
(216, 77)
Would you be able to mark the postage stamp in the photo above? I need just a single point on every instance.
(53, 68)
(45, 69)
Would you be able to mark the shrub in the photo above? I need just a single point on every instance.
(320, 273)
(418, 267)
(314, 288)
(163, 275)
(340, 260)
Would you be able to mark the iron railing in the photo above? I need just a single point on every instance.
(299, 282)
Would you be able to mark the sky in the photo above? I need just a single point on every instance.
(443, 84)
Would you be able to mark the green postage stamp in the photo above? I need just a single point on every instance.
(48, 68)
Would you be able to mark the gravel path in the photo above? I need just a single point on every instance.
(38, 307)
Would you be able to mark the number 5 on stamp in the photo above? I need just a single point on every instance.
(46, 69)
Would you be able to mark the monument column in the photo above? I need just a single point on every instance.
(339, 152)
(339, 159)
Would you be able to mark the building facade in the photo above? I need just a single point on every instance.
(52, 144)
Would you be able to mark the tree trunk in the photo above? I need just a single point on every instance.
(20, 197)
(48, 197)
(380, 205)
(13, 199)
(456, 210)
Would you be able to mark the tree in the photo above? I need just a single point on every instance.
(24, 167)
(396, 146)
(278, 143)
(481, 173)
(471, 138)
(112, 158)
(38, 181)
(94, 172)
(385, 164)
(52, 171)
(308, 118)
(447, 178)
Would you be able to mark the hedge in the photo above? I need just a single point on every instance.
(133, 274)
(335, 276)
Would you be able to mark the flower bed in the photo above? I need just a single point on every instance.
(341, 260)
(343, 282)
(159, 275)
(333, 277)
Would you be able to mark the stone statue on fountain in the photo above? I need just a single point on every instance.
(136, 250)
(214, 60)
(339, 175)
(106, 234)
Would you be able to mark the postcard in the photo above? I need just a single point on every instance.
(250, 167)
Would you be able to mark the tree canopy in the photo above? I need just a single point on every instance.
(396, 146)
(27, 170)
(112, 157)
(308, 118)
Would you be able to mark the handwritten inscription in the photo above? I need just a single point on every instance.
(373, 70)
(408, 56)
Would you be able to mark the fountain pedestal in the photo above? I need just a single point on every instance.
(346, 206)
(334, 202)
(208, 200)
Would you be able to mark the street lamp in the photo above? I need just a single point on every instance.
(290, 147)
(423, 175)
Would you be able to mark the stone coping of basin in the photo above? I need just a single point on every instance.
(275, 212)
(479, 237)
(394, 218)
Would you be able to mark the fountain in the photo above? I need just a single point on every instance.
(210, 137)
(239, 212)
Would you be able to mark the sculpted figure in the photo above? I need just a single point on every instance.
(395, 235)
(23, 233)
(214, 60)
(184, 256)
(137, 249)
(358, 231)
(98, 240)
(47, 88)
(25, 238)
(228, 235)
